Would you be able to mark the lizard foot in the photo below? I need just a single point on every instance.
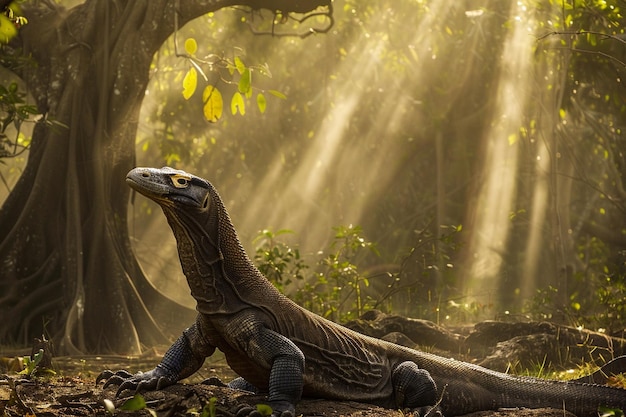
(153, 380)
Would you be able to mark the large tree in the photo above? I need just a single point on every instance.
(66, 264)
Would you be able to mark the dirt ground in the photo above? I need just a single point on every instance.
(73, 392)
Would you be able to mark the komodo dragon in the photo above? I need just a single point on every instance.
(287, 352)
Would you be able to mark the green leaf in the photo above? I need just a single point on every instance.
(277, 94)
(237, 104)
(37, 357)
(134, 404)
(261, 102)
(241, 67)
(190, 82)
(213, 104)
(245, 83)
(191, 46)
(610, 412)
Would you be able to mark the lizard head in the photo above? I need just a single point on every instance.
(170, 187)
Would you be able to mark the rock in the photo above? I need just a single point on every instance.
(421, 332)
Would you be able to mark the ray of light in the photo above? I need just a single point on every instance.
(497, 195)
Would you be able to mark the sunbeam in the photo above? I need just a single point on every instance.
(496, 197)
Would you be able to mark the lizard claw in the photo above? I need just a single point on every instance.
(108, 375)
(153, 380)
(113, 378)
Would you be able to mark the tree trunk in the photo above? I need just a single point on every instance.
(66, 264)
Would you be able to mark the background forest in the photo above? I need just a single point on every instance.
(444, 159)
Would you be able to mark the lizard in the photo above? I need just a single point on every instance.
(285, 351)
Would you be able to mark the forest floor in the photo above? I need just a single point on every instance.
(72, 391)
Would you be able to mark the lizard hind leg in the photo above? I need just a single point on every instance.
(413, 387)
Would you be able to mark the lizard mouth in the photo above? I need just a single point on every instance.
(150, 189)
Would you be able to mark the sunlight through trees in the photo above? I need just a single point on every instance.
(478, 144)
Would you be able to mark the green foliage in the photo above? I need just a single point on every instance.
(14, 111)
(341, 275)
(32, 368)
(335, 289)
(281, 264)
(30, 364)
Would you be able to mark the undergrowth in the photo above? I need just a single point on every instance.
(424, 282)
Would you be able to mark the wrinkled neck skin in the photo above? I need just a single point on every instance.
(203, 260)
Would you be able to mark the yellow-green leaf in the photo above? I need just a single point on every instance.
(237, 104)
(261, 102)
(239, 65)
(277, 94)
(134, 404)
(213, 104)
(512, 138)
(264, 409)
(190, 83)
(7, 29)
(191, 46)
(245, 83)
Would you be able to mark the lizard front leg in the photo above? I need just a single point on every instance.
(181, 360)
(286, 363)
(271, 351)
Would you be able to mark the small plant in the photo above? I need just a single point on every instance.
(32, 368)
(209, 409)
(30, 363)
(340, 271)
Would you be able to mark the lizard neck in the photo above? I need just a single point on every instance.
(221, 276)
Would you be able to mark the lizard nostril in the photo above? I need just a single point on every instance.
(145, 174)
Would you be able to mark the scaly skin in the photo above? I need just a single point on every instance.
(286, 351)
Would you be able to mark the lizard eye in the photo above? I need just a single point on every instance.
(180, 181)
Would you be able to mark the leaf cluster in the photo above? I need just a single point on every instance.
(213, 102)
(14, 111)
